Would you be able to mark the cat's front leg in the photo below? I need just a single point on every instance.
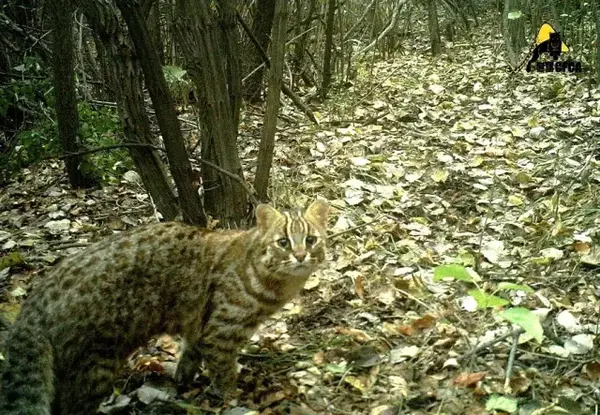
(221, 361)
(189, 363)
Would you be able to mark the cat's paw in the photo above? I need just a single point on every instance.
(186, 372)
(226, 393)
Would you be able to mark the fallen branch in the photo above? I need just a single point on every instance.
(511, 357)
(362, 225)
(482, 346)
(251, 193)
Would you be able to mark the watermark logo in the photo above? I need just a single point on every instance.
(548, 41)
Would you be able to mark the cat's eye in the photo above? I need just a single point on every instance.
(283, 242)
(311, 240)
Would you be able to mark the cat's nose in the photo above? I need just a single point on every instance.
(300, 256)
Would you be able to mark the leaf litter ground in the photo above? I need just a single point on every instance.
(425, 163)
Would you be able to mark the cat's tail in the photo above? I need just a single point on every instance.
(27, 382)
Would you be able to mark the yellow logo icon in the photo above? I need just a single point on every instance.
(548, 41)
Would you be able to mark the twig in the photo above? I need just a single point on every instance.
(251, 192)
(362, 225)
(242, 182)
(104, 148)
(487, 344)
(360, 20)
(284, 88)
(416, 300)
(384, 33)
(511, 358)
(484, 226)
(150, 111)
(310, 29)
(262, 65)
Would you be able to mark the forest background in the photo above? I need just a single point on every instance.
(463, 265)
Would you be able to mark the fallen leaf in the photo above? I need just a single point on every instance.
(358, 287)
(466, 379)
(592, 370)
(427, 321)
(357, 334)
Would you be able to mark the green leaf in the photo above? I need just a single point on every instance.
(487, 300)
(175, 72)
(515, 14)
(455, 271)
(11, 260)
(509, 286)
(466, 258)
(501, 403)
(526, 320)
(335, 369)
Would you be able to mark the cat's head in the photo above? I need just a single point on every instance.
(293, 243)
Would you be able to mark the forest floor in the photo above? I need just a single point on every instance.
(426, 162)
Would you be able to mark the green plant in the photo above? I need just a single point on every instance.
(520, 316)
(27, 135)
(101, 127)
(179, 83)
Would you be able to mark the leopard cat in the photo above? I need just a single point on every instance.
(95, 308)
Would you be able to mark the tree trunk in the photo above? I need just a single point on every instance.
(360, 21)
(513, 31)
(202, 39)
(261, 27)
(231, 40)
(64, 90)
(179, 163)
(155, 31)
(300, 46)
(388, 29)
(326, 84)
(267, 142)
(434, 28)
(596, 17)
(123, 74)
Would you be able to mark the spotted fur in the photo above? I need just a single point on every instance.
(214, 288)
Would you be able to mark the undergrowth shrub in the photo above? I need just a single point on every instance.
(99, 127)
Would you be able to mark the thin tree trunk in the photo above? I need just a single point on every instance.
(64, 90)
(513, 32)
(360, 20)
(155, 30)
(284, 88)
(267, 142)
(179, 163)
(123, 75)
(392, 24)
(326, 83)
(300, 46)
(596, 17)
(434, 27)
(201, 38)
(261, 27)
(231, 40)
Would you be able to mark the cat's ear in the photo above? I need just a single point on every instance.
(265, 216)
(318, 211)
